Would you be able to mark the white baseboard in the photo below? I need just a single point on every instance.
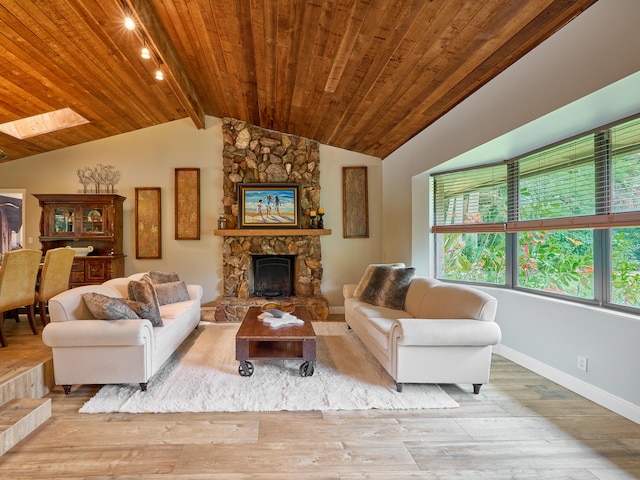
(595, 394)
(336, 310)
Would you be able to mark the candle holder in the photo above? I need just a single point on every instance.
(313, 219)
(222, 222)
(320, 221)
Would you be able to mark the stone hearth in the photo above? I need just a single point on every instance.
(254, 155)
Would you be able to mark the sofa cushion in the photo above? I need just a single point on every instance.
(172, 310)
(367, 275)
(142, 291)
(366, 310)
(171, 292)
(377, 321)
(163, 277)
(103, 307)
(388, 286)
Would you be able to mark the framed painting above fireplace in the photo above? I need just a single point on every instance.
(270, 205)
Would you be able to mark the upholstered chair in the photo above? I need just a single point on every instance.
(18, 275)
(54, 278)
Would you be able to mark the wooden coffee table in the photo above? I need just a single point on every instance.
(256, 340)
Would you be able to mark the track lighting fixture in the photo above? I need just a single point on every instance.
(147, 51)
(3, 156)
(129, 23)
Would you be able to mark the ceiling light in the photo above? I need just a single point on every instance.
(3, 156)
(129, 23)
(159, 75)
(145, 53)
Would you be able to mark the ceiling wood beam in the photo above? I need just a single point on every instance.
(156, 36)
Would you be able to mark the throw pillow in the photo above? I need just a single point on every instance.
(163, 277)
(367, 274)
(103, 307)
(142, 291)
(171, 292)
(388, 286)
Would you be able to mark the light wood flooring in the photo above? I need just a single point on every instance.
(520, 426)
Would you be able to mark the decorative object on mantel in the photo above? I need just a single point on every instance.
(320, 220)
(98, 179)
(271, 205)
(147, 221)
(187, 209)
(312, 215)
(355, 203)
(222, 222)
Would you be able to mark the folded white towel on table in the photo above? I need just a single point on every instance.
(277, 321)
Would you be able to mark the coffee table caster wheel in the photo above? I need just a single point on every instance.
(307, 369)
(245, 369)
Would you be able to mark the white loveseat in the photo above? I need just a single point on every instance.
(443, 334)
(90, 351)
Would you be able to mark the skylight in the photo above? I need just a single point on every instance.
(41, 124)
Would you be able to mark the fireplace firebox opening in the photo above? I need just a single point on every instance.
(273, 275)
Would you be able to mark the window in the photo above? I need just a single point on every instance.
(564, 220)
(471, 205)
(625, 269)
(472, 257)
(557, 261)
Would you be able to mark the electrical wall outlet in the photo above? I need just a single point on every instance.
(582, 363)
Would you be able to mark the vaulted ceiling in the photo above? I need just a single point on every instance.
(363, 75)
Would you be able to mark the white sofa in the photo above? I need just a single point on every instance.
(444, 334)
(90, 351)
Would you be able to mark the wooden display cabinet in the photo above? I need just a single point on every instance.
(83, 220)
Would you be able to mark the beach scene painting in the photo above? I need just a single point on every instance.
(268, 205)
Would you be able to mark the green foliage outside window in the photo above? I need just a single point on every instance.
(625, 270)
(472, 257)
(559, 261)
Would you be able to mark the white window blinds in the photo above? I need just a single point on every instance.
(592, 181)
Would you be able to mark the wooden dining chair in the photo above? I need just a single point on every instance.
(18, 275)
(55, 277)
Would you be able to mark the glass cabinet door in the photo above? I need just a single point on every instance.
(63, 219)
(92, 220)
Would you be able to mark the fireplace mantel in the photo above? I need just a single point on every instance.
(271, 232)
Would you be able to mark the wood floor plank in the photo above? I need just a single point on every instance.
(516, 455)
(296, 456)
(364, 430)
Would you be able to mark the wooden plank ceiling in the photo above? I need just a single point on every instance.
(363, 75)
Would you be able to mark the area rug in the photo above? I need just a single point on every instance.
(202, 376)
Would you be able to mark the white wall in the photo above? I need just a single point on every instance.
(345, 259)
(547, 335)
(147, 158)
(582, 77)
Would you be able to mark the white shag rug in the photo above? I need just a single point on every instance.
(202, 376)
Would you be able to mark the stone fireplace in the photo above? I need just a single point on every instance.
(255, 155)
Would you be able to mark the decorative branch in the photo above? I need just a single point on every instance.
(99, 175)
